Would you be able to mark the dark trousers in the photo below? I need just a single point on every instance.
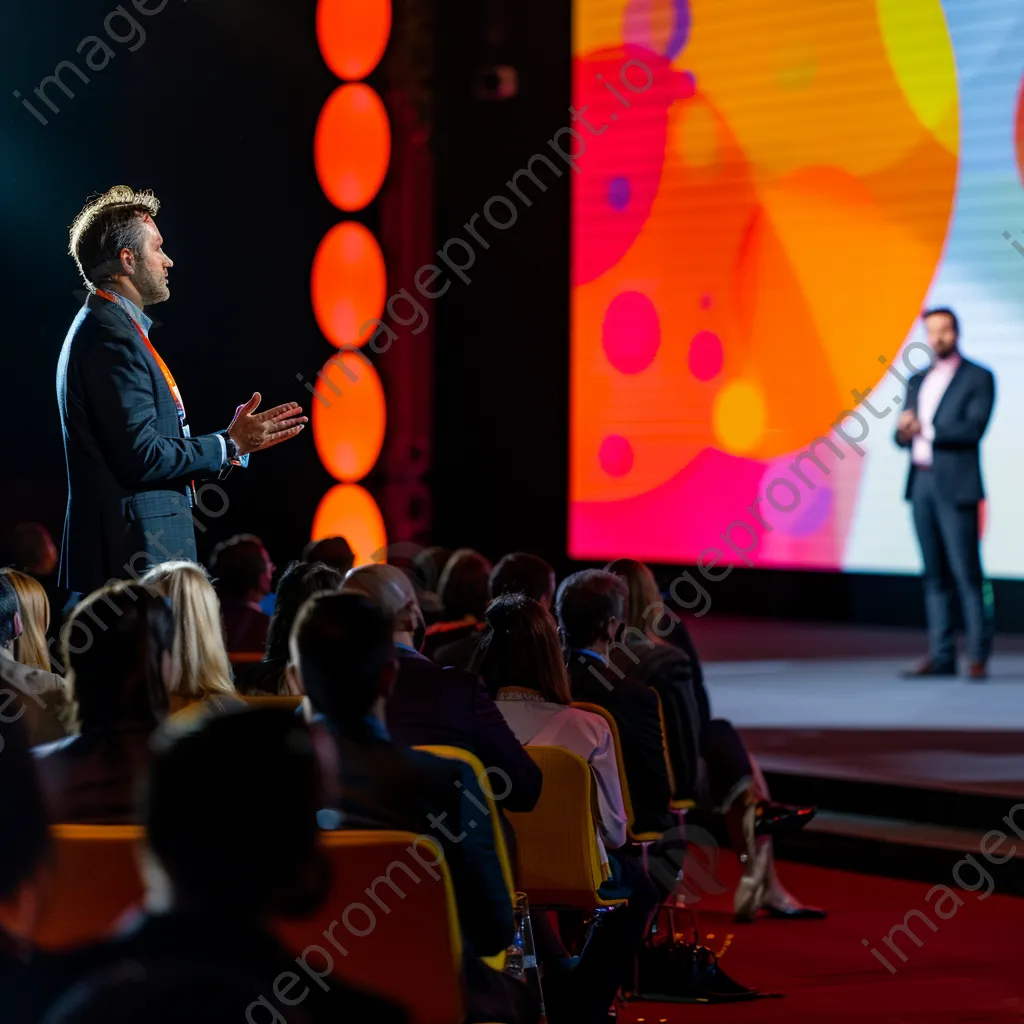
(949, 539)
(583, 995)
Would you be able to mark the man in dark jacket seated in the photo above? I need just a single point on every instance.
(230, 813)
(430, 705)
(344, 659)
(591, 608)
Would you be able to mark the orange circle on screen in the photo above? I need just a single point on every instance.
(349, 416)
(349, 511)
(353, 34)
(348, 284)
(352, 146)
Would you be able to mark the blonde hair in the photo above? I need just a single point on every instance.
(30, 647)
(200, 665)
(389, 589)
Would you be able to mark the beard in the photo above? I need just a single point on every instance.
(151, 285)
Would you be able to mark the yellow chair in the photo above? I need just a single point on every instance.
(396, 922)
(392, 911)
(245, 657)
(559, 859)
(679, 807)
(643, 838)
(497, 961)
(285, 702)
(90, 880)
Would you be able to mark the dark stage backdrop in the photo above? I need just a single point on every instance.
(215, 111)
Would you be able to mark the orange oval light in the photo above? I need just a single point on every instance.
(348, 284)
(349, 511)
(353, 35)
(352, 146)
(349, 416)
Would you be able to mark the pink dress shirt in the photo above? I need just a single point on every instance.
(933, 387)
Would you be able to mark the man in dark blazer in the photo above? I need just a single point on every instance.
(132, 461)
(948, 407)
(591, 607)
(344, 659)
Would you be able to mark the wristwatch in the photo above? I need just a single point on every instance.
(234, 452)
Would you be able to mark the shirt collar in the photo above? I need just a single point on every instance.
(947, 367)
(593, 654)
(135, 312)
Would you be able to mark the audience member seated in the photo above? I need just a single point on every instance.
(517, 573)
(230, 814)
(443, 706)
(23, 843)
(522, 662)
(117, 647)
(300, 581)
(428, 564)
(31, 549)
(333, 551)
(522, 665)
(345, 661)
(242, 571)
(40, 695)
(462, 590)
(710, 759)
(591, 609)
(200, 668)
(169, 992)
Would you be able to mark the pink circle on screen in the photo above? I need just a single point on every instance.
(705, 356)
(616, 455)
(631, 332)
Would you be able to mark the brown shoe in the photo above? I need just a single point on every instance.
(977, 672)
(928, 668)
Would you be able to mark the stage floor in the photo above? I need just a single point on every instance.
(829, 702)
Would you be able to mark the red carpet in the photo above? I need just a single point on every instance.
(970, 969)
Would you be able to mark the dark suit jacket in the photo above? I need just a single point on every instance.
(669, 672)
(94, 779)
(245, 627)
(446, 707)
(463, 653)
(635, 710)
(386, 784)
(128, 464)
(960, 423)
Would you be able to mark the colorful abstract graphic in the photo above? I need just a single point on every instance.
(764, 201)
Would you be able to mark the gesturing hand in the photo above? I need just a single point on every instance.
(909, 425)
(253, 431)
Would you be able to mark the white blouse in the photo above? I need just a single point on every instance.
(538, 723)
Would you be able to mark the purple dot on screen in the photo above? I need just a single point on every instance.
(619, 192)
(631, 332)
(705, 355)
(615, 455)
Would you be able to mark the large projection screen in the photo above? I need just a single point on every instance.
(767, 196)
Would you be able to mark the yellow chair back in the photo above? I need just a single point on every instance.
(559, 860)
(91, 879)
(395, 919)
(627, 801)
(391, 909)
(285, 702)
(674, 804)
(497, 961)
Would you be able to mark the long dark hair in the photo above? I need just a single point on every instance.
(521, 649)
(300, 581)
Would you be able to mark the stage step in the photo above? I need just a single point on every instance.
(904, 832)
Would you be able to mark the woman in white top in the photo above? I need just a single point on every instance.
(521, 662)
